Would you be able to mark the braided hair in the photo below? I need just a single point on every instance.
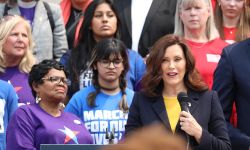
(103, 50)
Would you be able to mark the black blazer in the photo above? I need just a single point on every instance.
(232, 82)
(205, 108)
(159, 21)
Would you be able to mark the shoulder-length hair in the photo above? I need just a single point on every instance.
(243, 26)
(7, 24)
(211, 30)
(81, 54)
(102, 51)
(152, 82)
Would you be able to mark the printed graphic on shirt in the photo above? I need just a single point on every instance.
(17, 88)
(86, 78)
(101, 122)
(70, 135)
(2, 105)
(213, 58)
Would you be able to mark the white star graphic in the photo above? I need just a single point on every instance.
(70, 135)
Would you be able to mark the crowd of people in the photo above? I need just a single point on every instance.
(125, 72)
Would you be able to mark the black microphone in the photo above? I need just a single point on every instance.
(107, 134)
(110, 136)
(184, 101)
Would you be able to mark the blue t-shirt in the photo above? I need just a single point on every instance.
(105, 116)
(8, 104)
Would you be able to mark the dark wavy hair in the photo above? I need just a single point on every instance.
(152, 82)
(40, 70)
(103, 50)
(81, 54)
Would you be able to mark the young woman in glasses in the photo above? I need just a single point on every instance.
(103, 106)
(100, 21)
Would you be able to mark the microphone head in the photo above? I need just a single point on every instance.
(107, 134)
(183, 99)
(182, 96)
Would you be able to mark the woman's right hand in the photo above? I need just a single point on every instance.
(190, 125)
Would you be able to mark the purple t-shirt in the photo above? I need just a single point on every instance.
(19, 81)
(31, 126)
(28, 13)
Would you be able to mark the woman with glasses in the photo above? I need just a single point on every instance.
(100, 21)
(103, 106)
(16, 58)
(45, 122)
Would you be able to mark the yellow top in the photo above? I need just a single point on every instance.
(173, 110)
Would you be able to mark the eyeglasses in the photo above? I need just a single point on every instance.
(57, 80)
(106, 63)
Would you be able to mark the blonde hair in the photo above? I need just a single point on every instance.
(7, 24)
(211, 31)
(243, 31)
(243, 26)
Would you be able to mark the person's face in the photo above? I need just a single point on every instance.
(173, 66)
(231, 8)
(17, 42)
(52, 90)
(194, 14)
(104, 22)
(109, 70)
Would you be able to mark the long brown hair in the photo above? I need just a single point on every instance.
(80, 55)
(152, 82)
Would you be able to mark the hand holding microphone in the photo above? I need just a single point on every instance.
(187, 121)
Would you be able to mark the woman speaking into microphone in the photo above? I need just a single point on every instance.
(171, 70)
